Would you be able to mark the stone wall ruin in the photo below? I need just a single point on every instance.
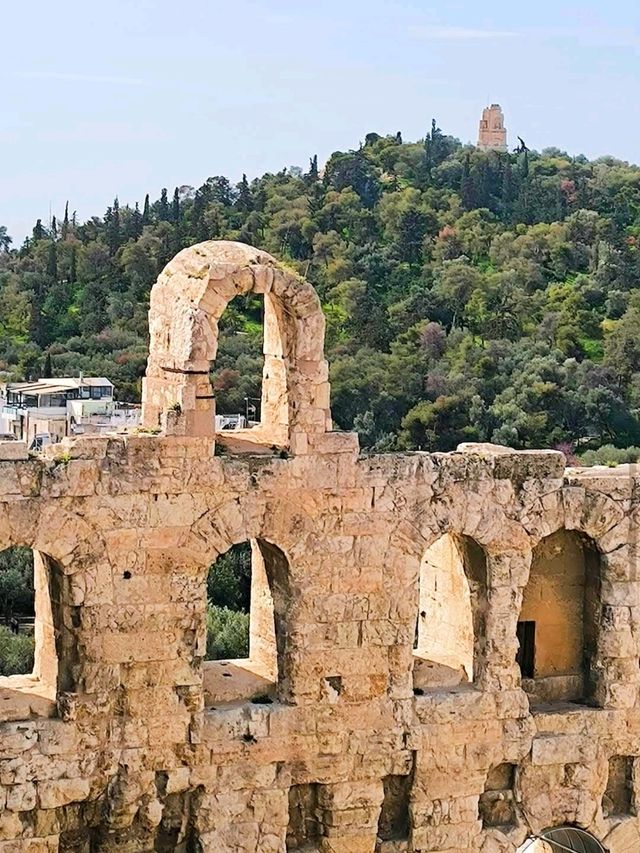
(137, 745)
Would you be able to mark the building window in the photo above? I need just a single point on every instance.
(558, 625)
(247, 594)
(449, 637)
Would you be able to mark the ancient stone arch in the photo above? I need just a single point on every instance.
(187, 302)
(347, 757)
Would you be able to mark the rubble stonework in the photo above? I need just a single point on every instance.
(124, 750)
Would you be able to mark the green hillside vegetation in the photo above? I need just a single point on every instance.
(468, 295)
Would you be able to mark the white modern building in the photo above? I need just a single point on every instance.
(62, 406)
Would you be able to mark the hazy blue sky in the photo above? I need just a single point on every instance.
(123, 97)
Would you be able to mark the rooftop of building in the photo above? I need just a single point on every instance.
(57, 385)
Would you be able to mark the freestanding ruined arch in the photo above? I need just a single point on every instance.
(187, 302)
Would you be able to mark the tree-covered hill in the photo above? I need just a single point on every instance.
(468, 295)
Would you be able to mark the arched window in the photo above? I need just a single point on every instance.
(247, 595)
(187, 308)
(237, 376)
(31, 630)
(449, 638)
(558, 626)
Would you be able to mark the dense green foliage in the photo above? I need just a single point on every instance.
(610, 455)
(16, 582)
(468, 295)
(16, 652)
(229, 600)
(227, 633)
(16, 599)
(229, 579)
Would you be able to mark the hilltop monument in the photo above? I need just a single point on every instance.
(492, 134)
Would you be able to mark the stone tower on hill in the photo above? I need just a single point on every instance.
(492, 134)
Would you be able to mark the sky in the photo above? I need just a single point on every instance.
(124, 97)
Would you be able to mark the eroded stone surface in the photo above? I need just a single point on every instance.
(135, 762)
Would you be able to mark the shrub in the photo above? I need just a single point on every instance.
(227, 633)
(16, 652)
(610, 455)
(229, 579)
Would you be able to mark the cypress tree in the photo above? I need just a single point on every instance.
(175, 207)
(47, 368)
(467, 194)
(38, 231)
(146, 212)
(65, 222)
(245, 201)
(508, 190)
(112, 221)
(197, 216)
(313, 169)
(73, 266)
(163, 206)
(135, 223)
(52, 261)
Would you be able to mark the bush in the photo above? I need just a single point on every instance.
(227, 633)
(16, 652)
(610, 455)
(229, 579)
(16, 581)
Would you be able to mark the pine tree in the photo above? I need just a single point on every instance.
(146, 212)
(163, 206)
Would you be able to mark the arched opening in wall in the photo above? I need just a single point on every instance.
(249, 374)
(450, 629)
(30, 592)
(559, 621)
(236, 375)
(247, 596)
(563, 839)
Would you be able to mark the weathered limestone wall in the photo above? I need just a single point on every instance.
(126, 757)
(445, 619)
